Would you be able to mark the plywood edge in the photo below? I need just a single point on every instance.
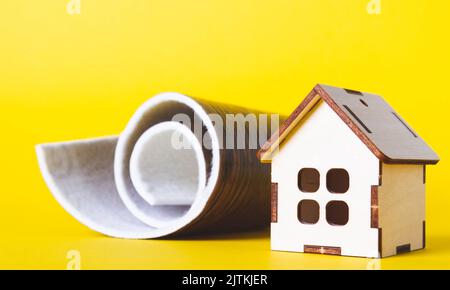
(424, 235)
(274, 203)
(374, 210)
(269, 148)
(312, 249)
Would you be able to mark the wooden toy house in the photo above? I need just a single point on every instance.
(348, 177)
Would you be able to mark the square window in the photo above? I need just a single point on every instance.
(308, 211)
(337, 213)
(338, 180)
(308, 180)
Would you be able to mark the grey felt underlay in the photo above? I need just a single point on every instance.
(176, 192)
(83, 171)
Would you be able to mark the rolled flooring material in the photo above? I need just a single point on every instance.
(139, 185)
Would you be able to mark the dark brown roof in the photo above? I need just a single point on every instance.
(370, 117)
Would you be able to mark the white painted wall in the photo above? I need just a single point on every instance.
(323, 141)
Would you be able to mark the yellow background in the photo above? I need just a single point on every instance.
(66, 77)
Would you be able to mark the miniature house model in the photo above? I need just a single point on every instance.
(348, 177)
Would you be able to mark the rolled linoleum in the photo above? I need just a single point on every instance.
(138, 186)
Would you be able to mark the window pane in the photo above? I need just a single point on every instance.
(338, 181)
(308, 211)
(337, 213)
(308, 180)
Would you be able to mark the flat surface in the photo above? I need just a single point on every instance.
(249, 251)
(66, 77)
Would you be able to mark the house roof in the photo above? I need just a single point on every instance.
(370, 117)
